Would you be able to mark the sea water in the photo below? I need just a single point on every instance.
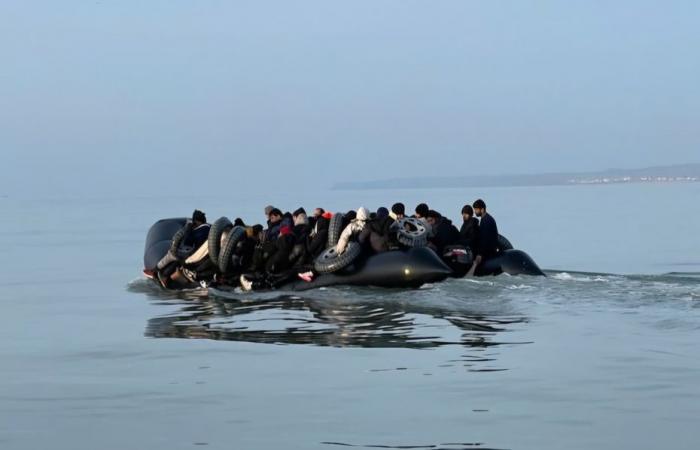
(603, 353)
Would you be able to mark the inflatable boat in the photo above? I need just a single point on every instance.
(404, 268)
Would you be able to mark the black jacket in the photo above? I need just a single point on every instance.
(197, 236)
(487, 245)
(378, 233)
(273, 230)
(444, 234)
(279, 260)
(316, 244)
(469, 233)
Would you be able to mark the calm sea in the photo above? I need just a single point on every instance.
(601, 354)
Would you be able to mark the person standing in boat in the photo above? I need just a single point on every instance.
(469, 232)
(487, 245)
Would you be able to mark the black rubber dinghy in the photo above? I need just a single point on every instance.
(409, 268)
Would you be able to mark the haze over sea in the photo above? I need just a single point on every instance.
(115, 114)
(95, 357)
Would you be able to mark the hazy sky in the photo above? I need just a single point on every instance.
(200, 95)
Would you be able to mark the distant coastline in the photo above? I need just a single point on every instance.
(681, 173)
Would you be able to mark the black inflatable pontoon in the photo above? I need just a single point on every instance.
(409, 268)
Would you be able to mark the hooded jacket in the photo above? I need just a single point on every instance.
(354, 228)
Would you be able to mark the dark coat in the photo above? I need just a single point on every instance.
(273, 230)
(279, 259)
(378, 233)
(197, 236)
(444, 234)
(469, 233)
(316, 244)
(487, 245)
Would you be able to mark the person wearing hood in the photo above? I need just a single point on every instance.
(444, 232)
(353, 229)
(378, 231)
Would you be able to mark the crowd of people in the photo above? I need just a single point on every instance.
(286, 247)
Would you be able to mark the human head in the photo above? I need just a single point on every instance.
(399, 210)
(422, 210)
(198, 217)
(433, 217)
(382, 212)
(467, 212)
(268, 210)
(479, 208)
(254, 232)
(362, 213)
(298, 212)
(275, 215)
(318, 212)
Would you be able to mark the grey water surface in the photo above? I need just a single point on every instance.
(603, 353)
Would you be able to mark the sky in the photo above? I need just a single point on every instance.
(138, 96)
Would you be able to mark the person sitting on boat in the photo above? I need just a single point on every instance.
(276, 267)
(301, 232)
(353, 229)
(192, 241)
(469, 232)
(318, 212)
(444, 232)
(398, 211)
(487, 245)
(274, 222)
(379, 231)
(421, 213)
(318, 237)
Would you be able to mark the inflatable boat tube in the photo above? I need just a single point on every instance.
(504, 244)
(159, 240)
(512, 262)
(410, 268)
